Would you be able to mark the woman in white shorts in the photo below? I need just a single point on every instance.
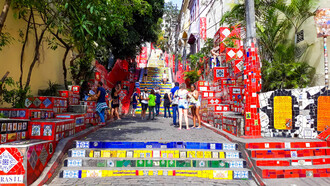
(182, 93)
(195, 105)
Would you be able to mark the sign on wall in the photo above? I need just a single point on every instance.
(203, 28)
(322, 21)
(283, 112)
(323, 113)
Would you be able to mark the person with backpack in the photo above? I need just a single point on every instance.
(144, 102)
(158, 101)
(167, 105)
(175, 101)
(152, 104)
(134, 99)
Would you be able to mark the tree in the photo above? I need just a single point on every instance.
(165, 38)
(5, 37)
(274, 20)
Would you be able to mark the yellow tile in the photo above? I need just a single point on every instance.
(150, 173)
(136, 153)
(210, 174)
(207, 154)
(160, 173)
(191, 154)
(230, 175)
(91, 154)
(222, 155)
(199, 174)
(204, 174)
(110, 173)
(105, 153)
(102, 153)
(83, 175)
(113, 154)
(104, 173)
(121, 154)
(200, 154)
(140, 173)
(170, 173)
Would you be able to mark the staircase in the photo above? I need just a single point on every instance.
(189, 159)
(290, 159)
(154, 79)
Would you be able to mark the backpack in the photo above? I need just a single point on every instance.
(175, 100)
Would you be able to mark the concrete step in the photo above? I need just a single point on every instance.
(241, 174)
(312, 160)
(286, 145)
(268, 172)
(287, 153)
(119, 162)
(155, 153)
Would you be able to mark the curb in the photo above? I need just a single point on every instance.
(256, 177)
(59, 155)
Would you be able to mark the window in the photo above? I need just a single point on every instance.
(300, 36)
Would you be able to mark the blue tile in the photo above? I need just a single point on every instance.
(218, 146)
(192, 145)
(180, 145)
(171, 145)
(204, 146)
(79, 174)
(138, 145)
(96, 144)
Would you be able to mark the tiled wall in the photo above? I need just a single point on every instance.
(302, 113)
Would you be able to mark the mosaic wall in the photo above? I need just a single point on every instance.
(302, 113)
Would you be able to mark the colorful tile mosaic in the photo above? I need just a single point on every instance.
(78, 153)
(70, 174)
(74, 162)
(7, 162)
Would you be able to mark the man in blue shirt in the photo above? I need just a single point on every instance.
(158, 101)
(174, 101)
(101, 103)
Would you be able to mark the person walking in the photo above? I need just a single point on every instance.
(195, 105)
(167, 105)
(115, 101)
(134, 99)
(152, 104)
(101, 103)
(182, 93)
(158, 100)
(144, 102)
(164, 77)
(175, 101)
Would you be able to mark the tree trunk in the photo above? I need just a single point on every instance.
(4, 14)
(2, 81)
(23, 50)
(67, 49)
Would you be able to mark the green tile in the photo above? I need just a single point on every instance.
(163, 163)
(183, 163)
(200, 163)
(214, 164)
(171, 163)
(140, 163)
(149, 163)
(119, 163)
(101, 163)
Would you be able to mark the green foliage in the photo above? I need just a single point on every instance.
(82, 69)
(5, 39)
(13, 94)
(283, 66)
(2, 115)
(192, 75)
(52, 89)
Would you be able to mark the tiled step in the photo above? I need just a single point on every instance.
(313, 160)
(156, 145)
(155, 153)
(288, 153)
(268, 172)
(241, 174)
(285, 145)
(169, 163)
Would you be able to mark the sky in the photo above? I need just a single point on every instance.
(178, 2)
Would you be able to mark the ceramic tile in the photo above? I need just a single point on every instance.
(33, 158)
(43, 155)
(70, 174)
(229, 146)
(82, 144)
(232, 155)
(74, 162)
(78, 153)
(110, 163)
(241, 174)
(7, 162)
(236, 164)
(94, 174)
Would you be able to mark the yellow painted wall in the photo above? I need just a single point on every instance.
(314, 55)
(49, 67)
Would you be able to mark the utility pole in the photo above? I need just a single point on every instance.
(252, 76)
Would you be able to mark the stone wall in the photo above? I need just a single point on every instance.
(302, 113)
